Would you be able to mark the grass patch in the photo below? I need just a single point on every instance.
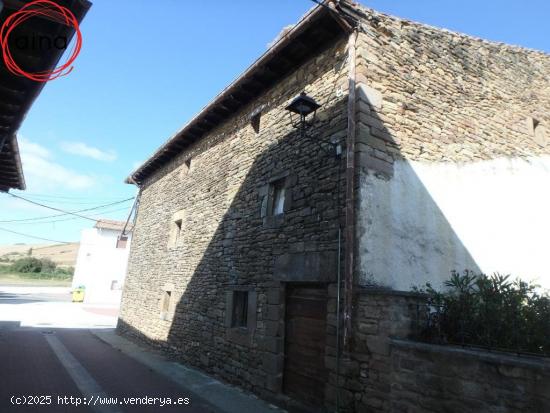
(8, 278)
(30, 270)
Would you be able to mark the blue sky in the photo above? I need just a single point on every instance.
(147, 67)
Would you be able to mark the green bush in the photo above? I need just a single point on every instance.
(488, 311)
(27, 265)
(34, 265)
(48, 265)
(64, 271)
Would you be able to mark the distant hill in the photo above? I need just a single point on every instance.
(62, 254)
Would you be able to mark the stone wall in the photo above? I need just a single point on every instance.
(450, 161)
(430, 378)
(179, 285)
(386, 372)
(366, 371)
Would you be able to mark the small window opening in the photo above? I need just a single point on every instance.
(178, 224)
(278, 198)
(255, 121)
(539, 132)
(176, 228)
(167, 296)
(115, 285)
(240, 309)
(121, 241)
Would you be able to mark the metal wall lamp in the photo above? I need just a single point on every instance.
(302, 106)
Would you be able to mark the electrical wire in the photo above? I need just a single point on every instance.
(350, 19)
(63, 212)
(102, 213)
(134, 207)
(33, 236)
(62, 202)
(35, 195)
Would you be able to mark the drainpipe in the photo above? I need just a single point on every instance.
(349, 232)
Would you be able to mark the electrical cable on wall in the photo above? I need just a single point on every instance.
(134, 207)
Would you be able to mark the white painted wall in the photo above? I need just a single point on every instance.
(431, 218)
(99, 263)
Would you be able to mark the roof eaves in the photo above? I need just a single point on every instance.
(303, 23)
(17, 158)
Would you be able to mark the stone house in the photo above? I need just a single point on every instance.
(282, 261)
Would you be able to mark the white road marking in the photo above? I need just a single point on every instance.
(83, 380)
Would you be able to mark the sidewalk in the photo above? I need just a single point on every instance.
(225, 398)
(33, 306)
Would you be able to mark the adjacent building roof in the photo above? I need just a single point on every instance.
(320, 26)
(11, 171)
(18, 93)
(114, 225)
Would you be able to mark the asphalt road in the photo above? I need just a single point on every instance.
(23, 295)
(47, 366)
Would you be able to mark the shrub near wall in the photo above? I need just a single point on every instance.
(488, 311)
(397, 373)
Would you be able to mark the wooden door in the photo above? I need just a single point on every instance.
(305, 336)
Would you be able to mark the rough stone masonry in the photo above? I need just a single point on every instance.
(237, 233)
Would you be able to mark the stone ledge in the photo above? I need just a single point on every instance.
(531, 362)
(388, 291)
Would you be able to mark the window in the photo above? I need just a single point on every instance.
(165, 306)
(240, 309)
(184, 168)
(277, 195)
(115, 285)
(275, 199)
(255, 118)
(176, 230)
(178, 224)
(537, 131)
(540, 134)
(255, 122)
(240, 315)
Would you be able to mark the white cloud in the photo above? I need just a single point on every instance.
(42, 172)
(87, 151)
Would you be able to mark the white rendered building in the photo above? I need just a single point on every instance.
(102, 261)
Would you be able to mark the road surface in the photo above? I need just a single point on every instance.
(46, 366)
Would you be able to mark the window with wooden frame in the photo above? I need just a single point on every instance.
(239, 316)
(277, 193)
(275, 199)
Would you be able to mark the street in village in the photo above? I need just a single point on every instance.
(59, 356)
